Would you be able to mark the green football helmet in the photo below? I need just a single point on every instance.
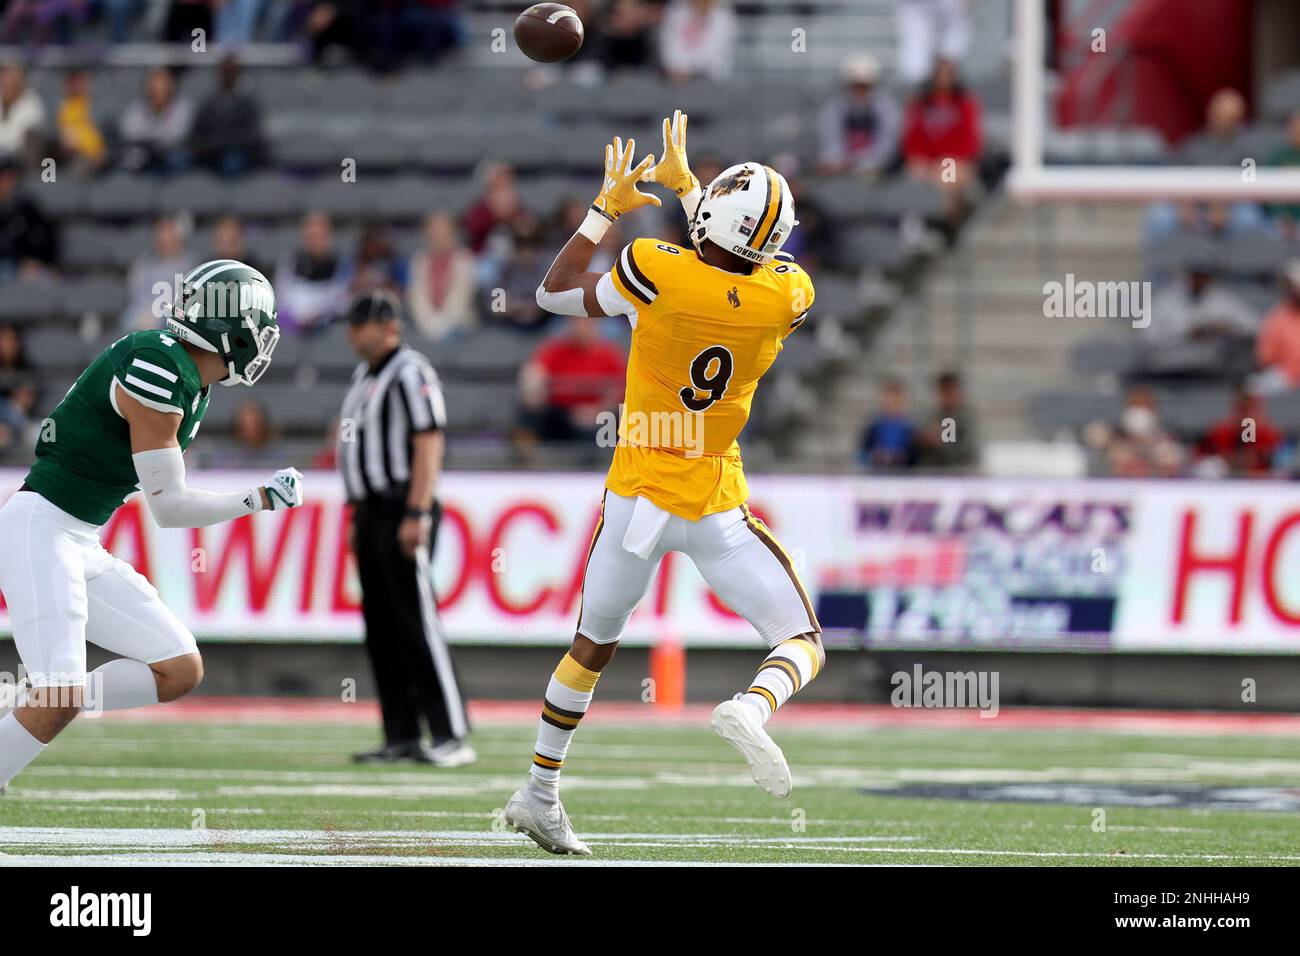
(228, 307)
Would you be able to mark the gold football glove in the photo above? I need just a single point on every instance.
(672, 170)
(619, 193)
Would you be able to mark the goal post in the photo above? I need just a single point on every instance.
(1032, 180)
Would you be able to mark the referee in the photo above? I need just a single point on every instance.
(390, 452)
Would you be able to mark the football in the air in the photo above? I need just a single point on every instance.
(548, 32)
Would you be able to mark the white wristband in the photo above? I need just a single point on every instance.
(691, 202)
(594, 226)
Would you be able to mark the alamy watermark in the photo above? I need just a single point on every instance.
(679, 430)
(944, 689)
(1085, 299)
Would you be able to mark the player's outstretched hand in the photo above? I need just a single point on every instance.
(619, 194)
(672, 170)
(284, 490)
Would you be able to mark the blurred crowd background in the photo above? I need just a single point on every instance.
(344, 146)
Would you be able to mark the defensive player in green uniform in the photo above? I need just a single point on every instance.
(123, 425)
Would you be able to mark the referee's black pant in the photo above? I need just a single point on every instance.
(413, 669)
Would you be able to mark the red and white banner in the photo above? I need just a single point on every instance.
(924, 563)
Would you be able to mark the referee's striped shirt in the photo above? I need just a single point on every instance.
(382, 409)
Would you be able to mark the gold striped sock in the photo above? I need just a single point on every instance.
(567, 697)
(790, 666)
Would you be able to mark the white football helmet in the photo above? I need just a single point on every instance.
(747, 210)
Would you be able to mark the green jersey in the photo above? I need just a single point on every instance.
(83, 454)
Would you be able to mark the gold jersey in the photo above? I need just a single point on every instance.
(701, 340)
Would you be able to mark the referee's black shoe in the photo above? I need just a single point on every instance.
(392, 753)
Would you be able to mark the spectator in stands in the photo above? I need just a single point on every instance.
(422, 29)
(941, 136)
(498, 205)
(928, 30)
(29, 241)
(15, 366)
(17, 389)
(311, 283)
(860, 124)
(155, 128)
(80, 139)
(443, 281)
(1213, 220)
(229, 140)
(570, 380)
(513, 298)
(949, 438)
(236, 21)
(625, 34)
(1219, 142)
(253, 440)
(889, 440)
(697, 38)
(121, 15)
(376, 265)
(42, 21)
(22, 116)
(186, 16)
(1241, 443)
(228, 243)
(333, 29)
(1136, 446)
(154, 275)
(1287, 215)
(1278, 347)
(1197, 308)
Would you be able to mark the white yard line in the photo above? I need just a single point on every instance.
(161, 837)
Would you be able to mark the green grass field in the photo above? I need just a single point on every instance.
(137, 792)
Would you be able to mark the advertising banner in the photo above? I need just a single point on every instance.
(888, 562)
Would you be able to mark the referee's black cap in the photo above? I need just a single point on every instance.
(378, 305)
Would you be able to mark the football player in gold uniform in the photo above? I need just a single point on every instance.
(707, 323)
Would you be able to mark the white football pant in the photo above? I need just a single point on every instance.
(63, 589)
(735, 553)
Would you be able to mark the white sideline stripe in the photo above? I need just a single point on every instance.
(588, 817)
(149, 386)
(291, 859)
(154, 369)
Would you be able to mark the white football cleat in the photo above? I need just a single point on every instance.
(739, 725)
(452, 753)
(544, 822)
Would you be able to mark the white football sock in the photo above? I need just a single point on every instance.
(18, 748)
(121, 685)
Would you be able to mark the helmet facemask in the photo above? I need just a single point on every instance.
(261, 342)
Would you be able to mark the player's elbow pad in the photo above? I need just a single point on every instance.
(173, 505)
(564, 302)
